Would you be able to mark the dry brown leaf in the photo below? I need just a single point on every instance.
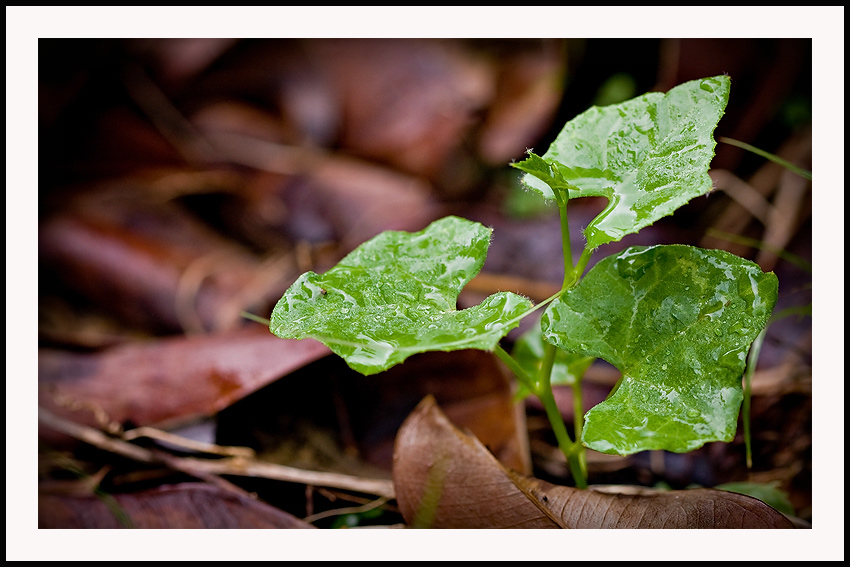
(181, 506)
(445, 478)
(168, 381)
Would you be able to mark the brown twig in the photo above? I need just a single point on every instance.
(236, 466)
(183, 442)
(353, 510)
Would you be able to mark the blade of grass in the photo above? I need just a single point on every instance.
(775, 159)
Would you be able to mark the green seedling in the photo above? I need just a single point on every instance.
(677, 321)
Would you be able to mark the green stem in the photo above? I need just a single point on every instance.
(255, 318)
(748, 378)
(581, 265)
(569, 275)
(578, 423)
(542, 388)
(514, 367)
(572, 451)
(541, 385)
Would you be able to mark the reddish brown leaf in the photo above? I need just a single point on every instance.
(604, 507)
(445, 478)
(420, 101)
(168, 381)
(182, 506)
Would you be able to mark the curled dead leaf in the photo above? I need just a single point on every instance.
(445, 478)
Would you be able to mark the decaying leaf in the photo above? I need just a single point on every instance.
(181, 506)
(445, 478)
(166, 381)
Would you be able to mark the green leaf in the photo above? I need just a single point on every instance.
(649, 156)
(543, 175)
(396, 295)
(677, 321)
(528, 352)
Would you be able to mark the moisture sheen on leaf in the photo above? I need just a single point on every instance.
(677, 321)
(396, 295)
(649, 156)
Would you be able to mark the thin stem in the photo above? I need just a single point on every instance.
(544, 378)
(574, 451)
(514, 366)
(578, 423)
(569, 275)
(571, 450)
(581, 265)
(542, 388)
(748, 378)
(541, 385)
(544, 391)
(255, 318)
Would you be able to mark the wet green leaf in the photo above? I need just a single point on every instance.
(528, 352)
(677, 321)
(649, 156)
(396, 295)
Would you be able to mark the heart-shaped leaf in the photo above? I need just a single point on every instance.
(445, 478)
(678, 322)
(649, 156)
(396, 295)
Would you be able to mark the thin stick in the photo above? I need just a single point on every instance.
(191, 444)
(237, 466)
(353, 510)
